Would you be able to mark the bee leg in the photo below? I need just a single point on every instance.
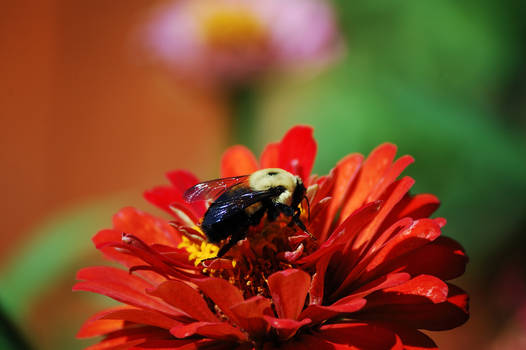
(296, 220)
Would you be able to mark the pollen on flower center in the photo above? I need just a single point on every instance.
(198, 252)
(232, 28)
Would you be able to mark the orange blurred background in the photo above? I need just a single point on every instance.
(83, 117)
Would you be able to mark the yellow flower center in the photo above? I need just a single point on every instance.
(198, 252)
(232, 28)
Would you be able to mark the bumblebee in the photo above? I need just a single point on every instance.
(242, 201)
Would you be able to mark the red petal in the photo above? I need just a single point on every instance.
(94, 326)
(270, 156)
(163, 196)
(249, 315)
(238, 160)
(214, 330)
(416, 207)
(320, 218)
(286, 328)
(374, 168)
(415, 340)
(121, 286)
(179, 344)
(183, 215)
(420, 233)
(297, 151)
(390, 176)
(421, 289)
(362, 336)
(435, 317)
(307, 342)
(130, 337)
(344, 174)
(288, 289)
(148, 228)
(443, 258)
(386, 281)
(183, 180)
(185, 298)
(318, 313)
(117, 343)
(317, 288)
(344, 232)
(101, 240)
(392, 196)
(146, 317)
(222, 293)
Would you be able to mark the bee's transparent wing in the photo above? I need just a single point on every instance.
(210, 190)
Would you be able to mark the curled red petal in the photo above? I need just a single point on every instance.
(238, 160)
(222, 293)
(249, 315)
(297, 151)
(184, 298)
(121, 286)
(214, 330)
(288, 289)
(103, 240)
(148, 228)
(319, 313)
(285, 327)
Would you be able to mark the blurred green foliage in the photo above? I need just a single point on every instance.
(430, 77)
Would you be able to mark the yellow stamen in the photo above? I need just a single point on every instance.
(198, 252)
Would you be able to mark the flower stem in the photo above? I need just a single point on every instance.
(244, 115)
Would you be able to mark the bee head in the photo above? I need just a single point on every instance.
(266, 179)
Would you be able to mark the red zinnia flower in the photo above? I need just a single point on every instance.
(372, 279)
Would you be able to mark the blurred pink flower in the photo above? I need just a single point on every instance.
(234, 40)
